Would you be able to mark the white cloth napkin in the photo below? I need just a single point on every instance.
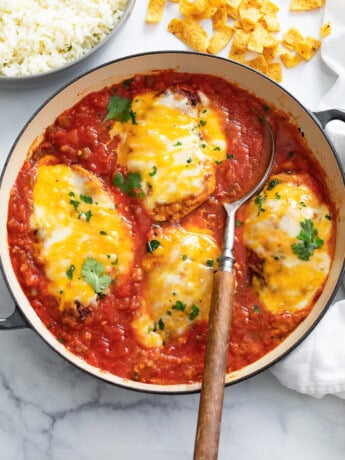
(317, 366)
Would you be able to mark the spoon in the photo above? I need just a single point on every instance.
(212, 390)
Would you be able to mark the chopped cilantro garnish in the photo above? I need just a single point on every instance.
(203, 122)
(180, 306)
(130, 184)
(161, 324)
(209, 263)
(69, 272)
(152, 245)
(194, 312)
(69, 48)
(178, 144)
(328, 217)
(85, 215)
(256, 309)
(120, 108)
(258, 201)
(93, 273)
(218, 162)
(153, 171)
(277, 196)
(302, 203)
(238, 223)
(310, 240)
(291, 154)
(217, 148)
(87, 199)
(229, 156)
(272, 183)
(189, 160)
(127, 83)
(102, 232)
(75, 204)
(184, 257)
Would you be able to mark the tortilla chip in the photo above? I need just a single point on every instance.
(239, 45)
(257, 40)
(307, 47)
(189, 32)
(271, 22)
(325, 29)
(271, 41)
(275, 71)
(232, 8)
(249, 17)
(219, 18)
(259, 63)
(270, 53)
(155, 9)
(269, 8)
(220, 39)
(196, 8)
(290, 60)
(305, 5)
(291, 37)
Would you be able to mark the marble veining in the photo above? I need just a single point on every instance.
(51, 410)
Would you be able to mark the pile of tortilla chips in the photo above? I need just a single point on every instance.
(251, 26)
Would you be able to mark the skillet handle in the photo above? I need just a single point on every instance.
(15, 321)
(326, 116)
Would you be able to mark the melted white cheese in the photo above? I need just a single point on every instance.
(67, 236)
(178, 273)
(288, 283)
(174, 146)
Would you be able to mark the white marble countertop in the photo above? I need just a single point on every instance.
(51, 410)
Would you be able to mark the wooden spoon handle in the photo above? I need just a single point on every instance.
(212, 391)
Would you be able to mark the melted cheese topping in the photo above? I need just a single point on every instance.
(71, 229)
(179, 275)
(287, 282)
(173, 145)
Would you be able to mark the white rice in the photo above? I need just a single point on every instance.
(41, 35)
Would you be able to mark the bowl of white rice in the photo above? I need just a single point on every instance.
(40, 37)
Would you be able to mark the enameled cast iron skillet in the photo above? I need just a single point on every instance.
(311, 124)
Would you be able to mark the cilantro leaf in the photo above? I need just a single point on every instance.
(152, 245)
(86, 198)
(120, 108)
(273, 183)
(259, 202)
(93, 273)
(194, 312)
(153, 171)
(180, 306)
(310, 240)
(70, 271)
(130, 184)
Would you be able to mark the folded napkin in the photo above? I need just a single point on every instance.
(317, 366)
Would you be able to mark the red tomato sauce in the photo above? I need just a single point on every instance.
(105, 338)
